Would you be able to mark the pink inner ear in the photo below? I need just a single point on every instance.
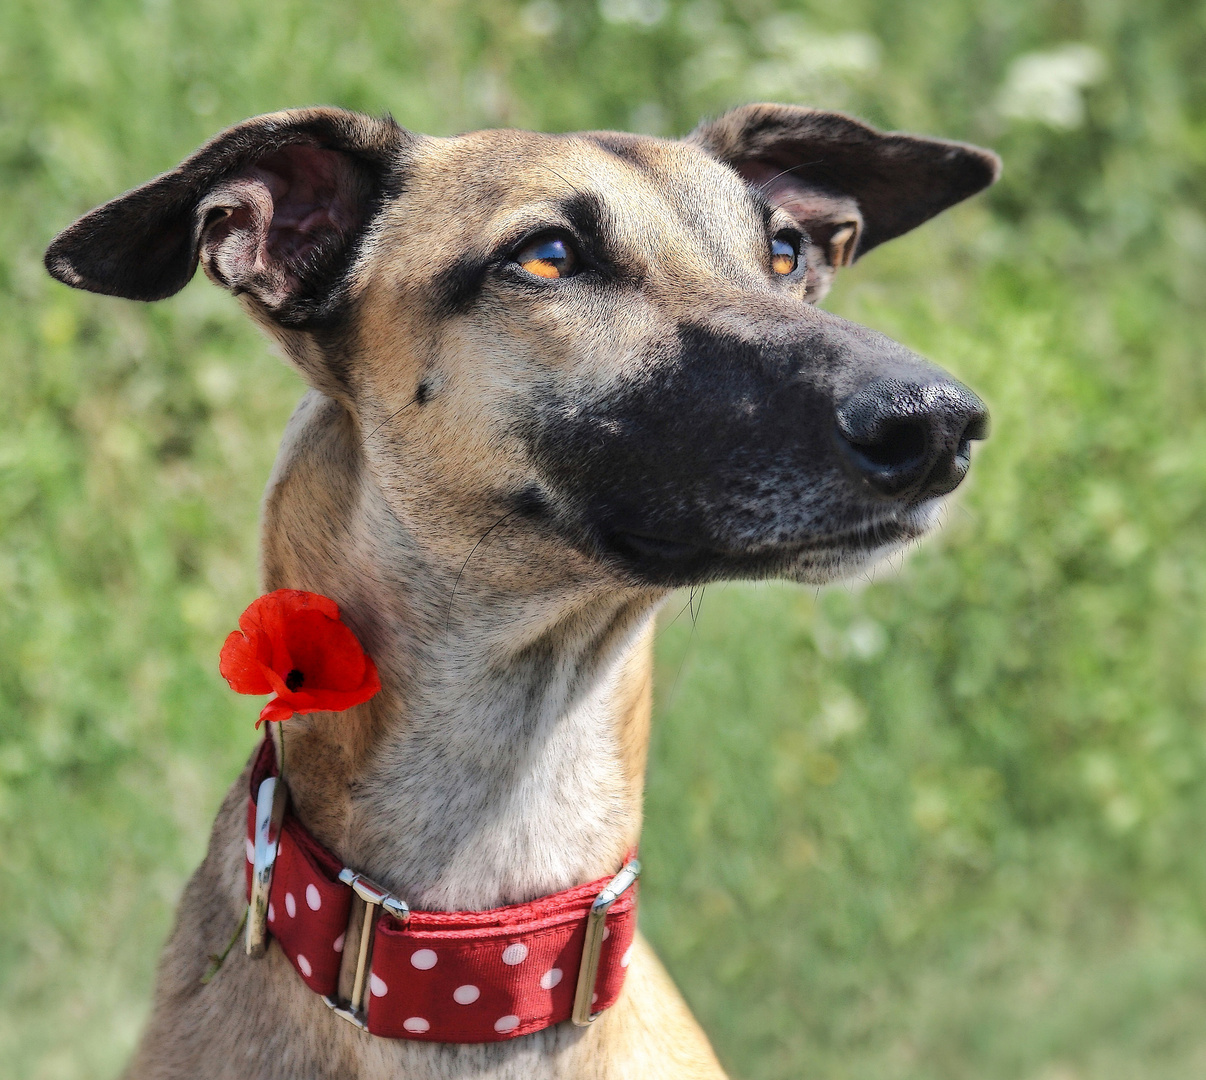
(313, 198)
(280, 216)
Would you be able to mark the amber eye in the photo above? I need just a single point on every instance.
(548, 257)
(785, 254)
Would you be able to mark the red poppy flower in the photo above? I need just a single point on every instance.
(292, 644)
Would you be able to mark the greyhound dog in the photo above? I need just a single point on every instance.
(551, 378)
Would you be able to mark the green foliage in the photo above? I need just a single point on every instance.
(944, 823)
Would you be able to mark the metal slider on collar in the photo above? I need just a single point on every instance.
(376, 901)
(270, 803)
(592, 948)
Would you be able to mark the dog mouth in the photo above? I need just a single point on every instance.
(672, 560)
(637, 546)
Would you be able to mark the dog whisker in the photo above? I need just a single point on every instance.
(388, 419)
(568, 183)
(784, 172)
(670, 698)
(460, 573)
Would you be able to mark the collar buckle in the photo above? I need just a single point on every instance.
(592, 948)
(375, 901)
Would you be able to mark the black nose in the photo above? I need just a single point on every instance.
(911, 439)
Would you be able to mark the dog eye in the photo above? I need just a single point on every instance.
(548, 257)
(785, 253)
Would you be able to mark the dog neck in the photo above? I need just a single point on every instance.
(504, 756)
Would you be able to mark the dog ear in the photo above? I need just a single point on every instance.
(273, 208)
(850, 186)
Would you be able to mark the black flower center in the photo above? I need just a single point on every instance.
(294, 679)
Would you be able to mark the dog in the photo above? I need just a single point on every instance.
(551, 377)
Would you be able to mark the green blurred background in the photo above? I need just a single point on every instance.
(943, 823)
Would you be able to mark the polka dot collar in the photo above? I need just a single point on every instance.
(442, 976)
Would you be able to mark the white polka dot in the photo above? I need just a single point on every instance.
(377, 986)
(304, 964)
(624, 960)
(594, 998)
(290, 904)
(271, 913)
(515, 954)
(250, 850)
(313, 900)
(466, 995)
(338, 945)
(416, 1024)
(506, 1023)
(550, 978)
(606, 932)
(423, 959)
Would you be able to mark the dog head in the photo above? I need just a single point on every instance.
(603, 346)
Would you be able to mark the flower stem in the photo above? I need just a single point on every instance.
(216, 960)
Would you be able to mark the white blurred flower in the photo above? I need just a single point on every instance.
(633, 12)
(841, 715)
(540, 17)
(804, 61)
(867, 638)
(1049, 86)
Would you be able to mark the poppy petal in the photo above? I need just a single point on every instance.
(279, 686)
(274, 711)
(241, 667)
(326, 651)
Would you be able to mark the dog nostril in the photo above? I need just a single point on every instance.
(910, 439)
(977, 427)
(897, 444)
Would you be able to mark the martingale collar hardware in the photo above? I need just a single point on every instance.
(481, 976)
(596, 926)
(270, 804)
(376, 901)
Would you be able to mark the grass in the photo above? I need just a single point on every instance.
(938, 824)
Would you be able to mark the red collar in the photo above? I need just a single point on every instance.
(443, 976)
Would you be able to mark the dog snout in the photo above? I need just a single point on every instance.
(910, 440)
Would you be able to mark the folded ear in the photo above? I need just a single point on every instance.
(850, 186)
(273, 208)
